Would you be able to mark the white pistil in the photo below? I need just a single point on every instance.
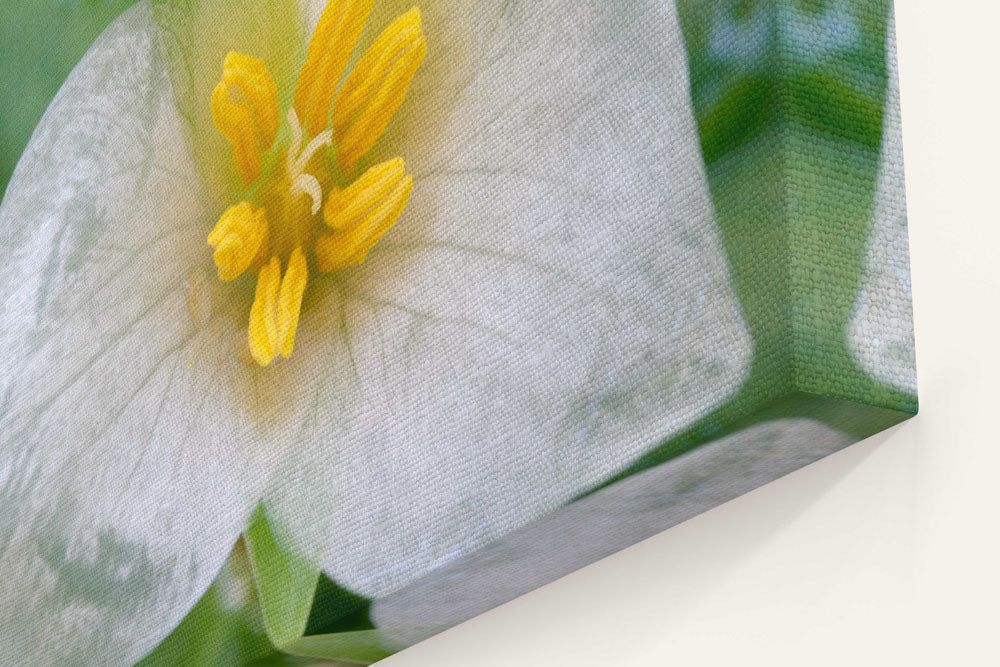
(324, 138)
(307, 184)
(296, 161)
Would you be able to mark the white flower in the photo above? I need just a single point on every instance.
(553, 302)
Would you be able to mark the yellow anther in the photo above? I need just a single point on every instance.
(235, 122)
(251, 77)
(263, 327)
(361, 213)
(274, 316)
(239, 237)
(251, 123)
(293, 286)
(376, 87)
(344, 207)
(329, 50)
(245, 109)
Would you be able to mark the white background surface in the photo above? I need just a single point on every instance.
(886, 553)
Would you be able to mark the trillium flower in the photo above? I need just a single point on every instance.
(224, 289)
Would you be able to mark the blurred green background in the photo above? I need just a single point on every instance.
(40, 42)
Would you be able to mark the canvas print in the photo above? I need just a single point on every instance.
(331, 324)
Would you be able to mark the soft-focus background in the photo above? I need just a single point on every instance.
(885, 553)
(42, 41)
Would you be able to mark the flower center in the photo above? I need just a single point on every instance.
(279, 228)
(291, 190)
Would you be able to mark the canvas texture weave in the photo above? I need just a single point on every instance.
(545, 279)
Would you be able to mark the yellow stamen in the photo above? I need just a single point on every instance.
(235, 122)
(361, 213)
(245, 109)
(329, 50)
(239, 237)
(251, 77)
(263, 328)
(274, 316)
(376, 87)
(250, 123)
(293, 286)
(344, 207)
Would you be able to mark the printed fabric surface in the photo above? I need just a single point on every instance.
(332, 324)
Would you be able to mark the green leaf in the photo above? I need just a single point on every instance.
(362, 647)
(285, 583)
(738, 117)
(336, 609)
(827, 106)
(196, 35)
(224, 628)
(42, 41)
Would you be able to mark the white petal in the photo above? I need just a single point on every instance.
(881, 330)
(554, 302)
(608, 521)
(126, 470)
